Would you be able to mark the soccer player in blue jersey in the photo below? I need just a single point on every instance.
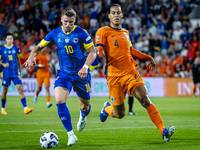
(11, 53)
(76, 53)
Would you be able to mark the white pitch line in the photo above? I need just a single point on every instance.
(101, 129)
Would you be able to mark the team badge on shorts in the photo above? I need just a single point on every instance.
(112, 99)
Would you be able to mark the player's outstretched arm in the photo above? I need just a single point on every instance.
(91, 57)
(139, 55)
(36, 50)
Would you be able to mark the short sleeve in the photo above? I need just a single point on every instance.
(47, 39)
(87, 41)
(18, 51)
(100, 38)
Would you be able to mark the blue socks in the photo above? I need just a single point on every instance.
(84, 114)
(3, 103)
(23, 101)
(64, 115)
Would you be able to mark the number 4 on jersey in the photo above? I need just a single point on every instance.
(116, 43)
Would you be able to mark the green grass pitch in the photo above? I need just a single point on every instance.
(19, 131)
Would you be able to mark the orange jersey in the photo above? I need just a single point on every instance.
(43, 60)
(118, 50)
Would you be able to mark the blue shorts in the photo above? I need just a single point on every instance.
(6, 81)
(80, 86)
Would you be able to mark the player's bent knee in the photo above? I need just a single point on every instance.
(59, 101)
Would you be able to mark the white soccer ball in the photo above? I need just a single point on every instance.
(49, 140)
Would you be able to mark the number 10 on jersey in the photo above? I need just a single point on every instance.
(69, 49)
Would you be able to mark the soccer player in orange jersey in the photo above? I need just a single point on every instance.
(122, 76)
(43, 75)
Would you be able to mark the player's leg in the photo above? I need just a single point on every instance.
(140, 92)
(115, 111)
(47, 86)
(49, 104)
(82, 88)
(39, 83)
(27, 110)
(130, 104)
(117, 96)
(194, 90)
(85, 108)
(3, 100)
(61, 95)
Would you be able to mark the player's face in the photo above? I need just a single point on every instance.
(9, 39)
(115, 16)
(68, 23)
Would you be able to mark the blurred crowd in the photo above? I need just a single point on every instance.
(160, 28)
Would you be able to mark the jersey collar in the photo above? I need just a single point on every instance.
(8, 47)
(71, 31)
(114, 28)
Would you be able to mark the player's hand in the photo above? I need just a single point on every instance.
(83, 73)
(152, 64)
(30, 62)
(6, 65)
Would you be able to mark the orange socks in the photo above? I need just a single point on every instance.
(155, 117)
(109, 110)
(48, 99)
(36, 95)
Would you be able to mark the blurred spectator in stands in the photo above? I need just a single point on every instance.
(53, 25)
(153, 29)
(160, 23)
(176, 72)
(178, 60)
(12, 28)
(163, 68)
(93, 16)
(185, 36)
(24, 53)
(3, 29)
(52, 14)
(45, 5)
(164, 45)
(176, 37)
(176, 22)
(156, 44)
(26, 34)
(157, 57)
(145, 45)
(139, 44)
(137, 22)
(186, 23)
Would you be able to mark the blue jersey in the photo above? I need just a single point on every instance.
(10, 56)
(71, 47)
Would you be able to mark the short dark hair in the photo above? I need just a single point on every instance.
(69, 12)
(114, 5)
(9, 34)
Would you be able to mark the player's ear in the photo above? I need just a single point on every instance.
(109, 15)
(61, 19)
